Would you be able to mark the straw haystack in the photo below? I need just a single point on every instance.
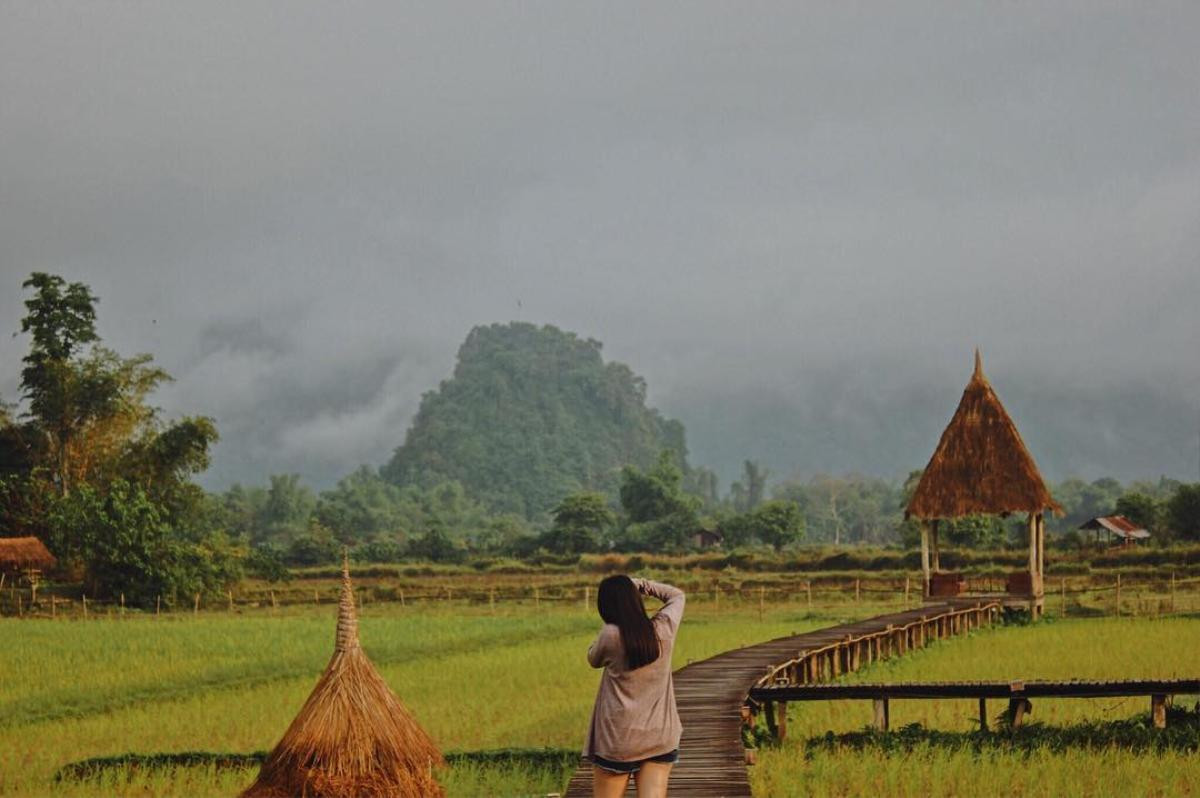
(981, 465)
(353, 738)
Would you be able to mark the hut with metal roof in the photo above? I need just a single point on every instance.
(1119, 527)
(982, 467)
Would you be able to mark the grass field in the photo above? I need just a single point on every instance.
(964, 764)
(475, 679)
(480, 679)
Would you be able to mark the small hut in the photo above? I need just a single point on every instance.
(981, 467)
(24, 556)
(353, 738)
(1116, 529)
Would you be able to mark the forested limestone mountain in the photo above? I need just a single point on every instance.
(530, 415)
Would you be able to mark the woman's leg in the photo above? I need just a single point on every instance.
(652, 779)
(606, 784)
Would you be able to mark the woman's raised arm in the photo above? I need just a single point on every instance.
(671, 596)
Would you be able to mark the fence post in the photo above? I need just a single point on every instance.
(195, 605)
(492, 600)
(906, 590)
(762, 592)
(401, 597)
(1064, 597)
(231, 601)
(808, 589)
(122, 605)
(273, 605)
(1118, 597)
(84, 597)
(857, 591)
(1172, 591)
(587, 598)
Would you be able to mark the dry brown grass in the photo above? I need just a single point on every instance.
(353, 738)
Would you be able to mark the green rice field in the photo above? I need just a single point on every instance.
(482, 679)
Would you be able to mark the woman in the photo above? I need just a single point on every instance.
(635, 727)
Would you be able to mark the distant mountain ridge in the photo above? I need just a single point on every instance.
(531, 414)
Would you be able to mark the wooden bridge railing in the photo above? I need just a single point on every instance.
(829, 661)
(1018, 694)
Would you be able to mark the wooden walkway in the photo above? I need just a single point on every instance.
(711, 693)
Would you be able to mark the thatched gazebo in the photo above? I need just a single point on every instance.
(353, 738)
(981, 467)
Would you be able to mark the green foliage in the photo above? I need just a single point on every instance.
(1141, 509)
(848, 509)
(777, 523)
(658, 514)
(580, 520)
(92, 469)
(530, 415)
(268, 563)
(435, 546)
(1183, 512)
(127, 547)
(316, 546)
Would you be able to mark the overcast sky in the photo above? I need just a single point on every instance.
(796, 221)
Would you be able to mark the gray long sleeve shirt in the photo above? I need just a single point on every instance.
(634, 716)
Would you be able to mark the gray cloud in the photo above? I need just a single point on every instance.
(795, 222)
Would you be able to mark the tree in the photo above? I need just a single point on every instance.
(88, 427)
(658, 513)
(777, 523)
(579, 521)
(1183, 512)
(1141, 509)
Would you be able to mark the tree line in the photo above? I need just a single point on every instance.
(90, 467)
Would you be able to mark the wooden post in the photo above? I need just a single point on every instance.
(717, 598)
(881, 714)
(196, 604)
(537, 597)
(53, 607)
(762, 594)
(1064, 597)
(587, 598)
(936, 546)
(84, 597)
(20, 609)
(122, 605)
(1172, 591)
(230, 593)
(1158, 711)
(316, 597)
(906, 591)
(983, 714)
(1032, 526)
(492, 600)
(157, 605)
(781, 719)
(401, 597)
(857, 590)
(925, 557)
(274, 606)
(1118, 596)
(808, 589)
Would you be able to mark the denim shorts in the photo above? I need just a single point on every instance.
(669, 758)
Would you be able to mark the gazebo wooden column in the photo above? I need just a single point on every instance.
(1036, 524)
(930, 558)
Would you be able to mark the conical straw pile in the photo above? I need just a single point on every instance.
(353, 738)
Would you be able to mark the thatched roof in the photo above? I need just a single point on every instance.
(981, 465)
(353, 738)
(18, 553)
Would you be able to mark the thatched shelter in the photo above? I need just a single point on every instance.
(981, 467)
(353, 738)
(24, 554)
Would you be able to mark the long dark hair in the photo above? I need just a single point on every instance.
(620, 604)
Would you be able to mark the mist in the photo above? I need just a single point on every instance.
(796, 223)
